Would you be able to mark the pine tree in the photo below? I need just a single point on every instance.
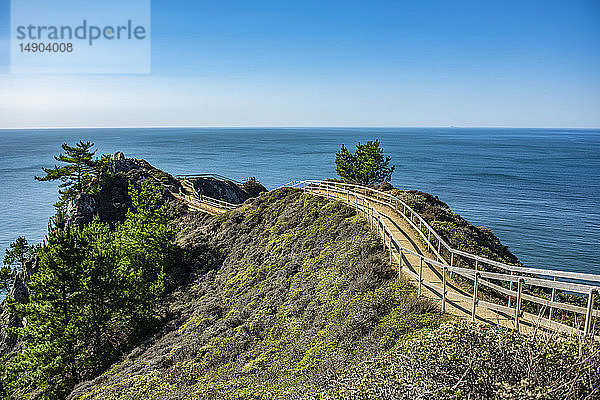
(14, 260)
(94, 293)
(102, 321)
(145, 243)
(368, 164)
(77, 174)
(50, 360)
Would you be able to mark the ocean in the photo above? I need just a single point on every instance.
(537, 189)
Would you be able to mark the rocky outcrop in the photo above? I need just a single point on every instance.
(227, 190)
(20, 294)
(81, 209)
(112, 201)
(454, 229)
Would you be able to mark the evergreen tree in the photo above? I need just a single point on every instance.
(77, 174)
(14, 259)
(50, 360)
(368, 164)
(146, 244)
(102, 321)
(95, 292)
(100, 172)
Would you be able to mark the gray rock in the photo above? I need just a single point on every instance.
(225, 190)
(20, 294)
(81, 209)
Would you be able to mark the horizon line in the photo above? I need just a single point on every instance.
(292, 127)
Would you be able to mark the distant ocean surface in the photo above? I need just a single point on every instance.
(537, 189)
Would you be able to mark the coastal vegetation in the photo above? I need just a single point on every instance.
(96, 287)
(293, 299)
(14, 260)
(289, 296)
(366, 166)
(94, 293)
(79, 173)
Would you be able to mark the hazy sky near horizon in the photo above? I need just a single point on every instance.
(515, 63)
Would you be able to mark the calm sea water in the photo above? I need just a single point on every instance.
(536, 189)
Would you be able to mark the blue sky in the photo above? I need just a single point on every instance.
(336, 63)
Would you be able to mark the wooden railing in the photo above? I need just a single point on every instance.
(213, 176)
(217, 177)
(514, 277)
(203, 202)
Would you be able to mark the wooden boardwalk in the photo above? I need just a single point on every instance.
(422, 256)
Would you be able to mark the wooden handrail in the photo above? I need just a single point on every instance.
(214, 176)
(474, 257)
(203, 199)
(519, 275)
(362, 198)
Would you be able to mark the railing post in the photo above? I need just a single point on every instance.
(400, 264)
(475, 284)
(589, 313)
(552, 299)
(428, 240)
(420, 273)
(444, 291)
(451, 261)
(390, 237)
(510, 287)
(518, 305)
(348, 196)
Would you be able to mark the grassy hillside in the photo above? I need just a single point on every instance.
(290, 290)
(291, 297)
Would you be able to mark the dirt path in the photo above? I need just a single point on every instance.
(459, 295)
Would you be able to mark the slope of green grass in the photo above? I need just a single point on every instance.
(292, 298)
